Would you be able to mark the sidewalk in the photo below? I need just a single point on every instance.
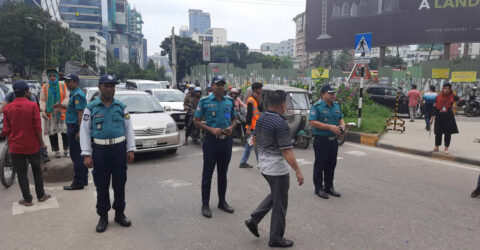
(416, 140)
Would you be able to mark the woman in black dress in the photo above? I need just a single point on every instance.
(444, 118)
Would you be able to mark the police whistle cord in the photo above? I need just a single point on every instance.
(395, 123)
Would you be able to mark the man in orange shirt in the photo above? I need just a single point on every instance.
(413, 97)
(253, 113)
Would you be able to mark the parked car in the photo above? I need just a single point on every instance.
(142, 85)
(164, 84)
(35, 87)
(155, 129)
(387, 95)
(3, 92)
(172, 102)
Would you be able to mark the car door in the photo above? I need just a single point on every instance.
(377, 94)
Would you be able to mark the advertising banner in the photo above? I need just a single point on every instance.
(464, 76)
(332, 24)
(440, 73)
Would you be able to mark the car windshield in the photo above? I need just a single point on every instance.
(299, 101)
(147, 86)
(84, 83)
(140, 103)
(169, 96)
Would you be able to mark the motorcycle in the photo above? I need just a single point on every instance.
(472, 107)
(239, 131)
(195, 133)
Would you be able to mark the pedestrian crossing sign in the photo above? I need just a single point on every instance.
(363, 43)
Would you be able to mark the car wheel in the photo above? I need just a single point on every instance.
(172, 151)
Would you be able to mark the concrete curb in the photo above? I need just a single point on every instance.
(372, 141)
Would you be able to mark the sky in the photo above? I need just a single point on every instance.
(252, 22)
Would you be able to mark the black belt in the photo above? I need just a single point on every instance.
(217, 137)
(328, 138)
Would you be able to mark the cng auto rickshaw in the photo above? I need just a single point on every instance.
(298, 109)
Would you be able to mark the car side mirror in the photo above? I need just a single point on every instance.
(167, 108)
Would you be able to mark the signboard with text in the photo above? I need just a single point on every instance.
(331, 24)
(440, 73)
(206, 51)
(464, 76)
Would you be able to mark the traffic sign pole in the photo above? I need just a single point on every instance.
(360, 98)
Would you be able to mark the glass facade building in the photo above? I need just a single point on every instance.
(199, 21)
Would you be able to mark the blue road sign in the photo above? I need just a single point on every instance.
(363, 43)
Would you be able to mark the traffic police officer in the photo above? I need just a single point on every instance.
(327, 120)
(75, 107)
(220, 116)
(108, 143)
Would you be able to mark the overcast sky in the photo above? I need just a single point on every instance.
(250, 21)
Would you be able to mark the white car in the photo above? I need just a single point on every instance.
(172, 102)
(142, 85)
(155, 130)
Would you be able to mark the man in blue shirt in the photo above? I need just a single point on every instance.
(429, 99)
(327, 120)
(75, 107)
(108, 143)
(220, 116)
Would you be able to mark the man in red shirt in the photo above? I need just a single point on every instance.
(413, 98)
(23, 129)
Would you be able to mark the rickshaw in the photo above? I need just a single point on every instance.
(298, 109)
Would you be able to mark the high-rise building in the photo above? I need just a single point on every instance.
(92, 41)
(84, 15)
(284, 48)
(199, 21)
(51, 6)
(303, 59)
(217, 36)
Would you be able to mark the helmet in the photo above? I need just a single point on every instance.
(234, 90)
(230, 88)
(197, 89)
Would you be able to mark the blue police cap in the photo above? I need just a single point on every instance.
(20, 85)
(70, 77)
(327, 88)
(107, 79)
(218, 79)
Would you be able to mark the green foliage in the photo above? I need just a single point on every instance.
(348, 97)
(90, 59)
(189, 54)
(22, 39)
(374, 117)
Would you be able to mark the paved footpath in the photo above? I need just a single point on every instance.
(390, 200)
(464, 147)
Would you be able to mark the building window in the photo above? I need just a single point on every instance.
(92, 39)
(92, 47)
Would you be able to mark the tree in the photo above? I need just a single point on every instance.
(90, 59)
(22, 39)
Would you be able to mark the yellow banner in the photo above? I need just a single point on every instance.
(464, 76)
(441, 73)
(316, 73)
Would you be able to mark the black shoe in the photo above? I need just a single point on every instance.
(122, 220)
(245, 165)
(332, 192)
(206, 211)
(320, 193)
(225, 207)
(282, 243)
(102, 224)
(252, 226)
(73, 186)
(475, 192)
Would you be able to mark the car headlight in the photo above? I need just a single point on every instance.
(171, 128)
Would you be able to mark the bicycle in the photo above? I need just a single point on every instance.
(7, 171)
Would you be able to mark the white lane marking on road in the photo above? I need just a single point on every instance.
(451, 164)
(32, 187)
(174, 183)
(339, 158)
(302, 162)
(48, 204)
(356, 153)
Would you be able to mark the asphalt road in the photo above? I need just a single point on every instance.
(390, 201)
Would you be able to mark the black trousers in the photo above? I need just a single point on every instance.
(277, 201)
(326, 152)
(110, 162)
(81, 172)
(438, 140)
(21, 166)
(215, 152)
(54, 142)
(188, 125)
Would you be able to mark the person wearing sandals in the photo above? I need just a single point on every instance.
(22, 127)
(444, 118)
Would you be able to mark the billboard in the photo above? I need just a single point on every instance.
(464, 76)
(332, 24)
(440, 73)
